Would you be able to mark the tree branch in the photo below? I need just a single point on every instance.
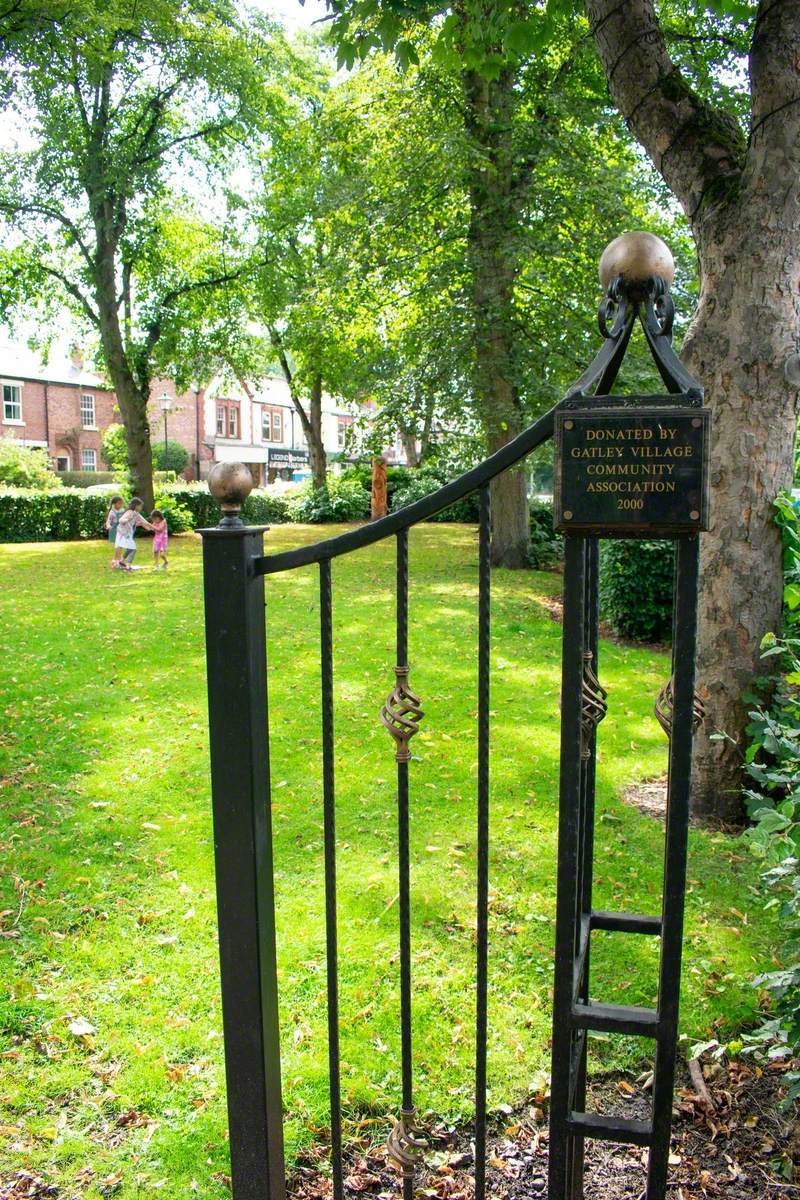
(692, 143)
(277, 342)
(74, 291)
(54, 214)
(775, 86)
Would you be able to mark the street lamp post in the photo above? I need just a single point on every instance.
(165, 403)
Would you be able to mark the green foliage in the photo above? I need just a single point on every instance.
(24, 467)
(396, 477)
(427, 479)
(113, 450)
(84, 479)
(56, 516)
(179, 517)
(546, 546)
(339, 500)
(772, 794)
(636, 587)
(173, 457)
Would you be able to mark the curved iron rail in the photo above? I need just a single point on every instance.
(622, 305)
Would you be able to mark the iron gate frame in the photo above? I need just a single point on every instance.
(235, 567)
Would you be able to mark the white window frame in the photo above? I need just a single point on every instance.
(84, 454)
(272, 418)
(12, 383)
(63, 458)
(91, 424)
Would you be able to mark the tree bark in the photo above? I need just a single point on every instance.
(316, 446)
(310, 421)
(409, 440)
(743, 202)
(493, 255)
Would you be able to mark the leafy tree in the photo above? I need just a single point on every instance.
(125, 103)
(531, 176)
(730, 154)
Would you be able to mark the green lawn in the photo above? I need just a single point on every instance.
(108, 906)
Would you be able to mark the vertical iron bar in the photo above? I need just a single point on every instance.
(403, 862)
(567, 912)
(677, 829)
(484, 618)
(236, 660)
(586, 834)
(329, 818)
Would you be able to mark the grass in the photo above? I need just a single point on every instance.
(108, 906)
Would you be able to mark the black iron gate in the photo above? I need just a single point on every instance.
(235, 566)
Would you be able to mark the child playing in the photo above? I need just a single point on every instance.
(159, 526)
(112, 520)
(129, 522)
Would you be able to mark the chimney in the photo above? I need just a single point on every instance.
(76, 356)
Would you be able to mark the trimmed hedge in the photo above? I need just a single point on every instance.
(67, 514)
(84, 479)
(58, 516)
(636, 585)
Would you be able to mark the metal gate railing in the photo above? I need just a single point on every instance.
(234, 571)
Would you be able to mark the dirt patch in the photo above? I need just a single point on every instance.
(741, 1146)
(735, 1143)
(648, 798)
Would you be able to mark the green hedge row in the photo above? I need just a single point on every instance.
(58, 516)
(84, 479)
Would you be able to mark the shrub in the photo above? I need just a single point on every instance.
(339, 500)
(772, 798)
(396, 477)
(113, 449)
(84, 479)
(636, 585)
(421, 483)
(179, 517)
(61, 515)
(260, 508)
(25, 467)
(546, 546)
(172, 457)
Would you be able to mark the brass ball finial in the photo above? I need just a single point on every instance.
(230, 484)
(637, 257)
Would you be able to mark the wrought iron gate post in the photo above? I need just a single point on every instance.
(240, 792)
(563, 1080)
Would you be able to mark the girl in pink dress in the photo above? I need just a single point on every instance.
(161, 533)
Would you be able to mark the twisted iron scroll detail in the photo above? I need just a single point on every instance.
(593, 704)
(401, 714)
(404, 1144)
(665, 702)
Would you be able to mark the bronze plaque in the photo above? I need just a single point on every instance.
(631, 472)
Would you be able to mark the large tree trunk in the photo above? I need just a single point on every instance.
(743, 333)
(409, 441)
(493, 256)
(741, 196)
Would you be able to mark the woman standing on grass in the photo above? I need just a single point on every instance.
(129, 522)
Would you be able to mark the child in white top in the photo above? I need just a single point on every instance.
(129, 522)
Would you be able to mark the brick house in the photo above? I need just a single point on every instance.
(63, 407)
